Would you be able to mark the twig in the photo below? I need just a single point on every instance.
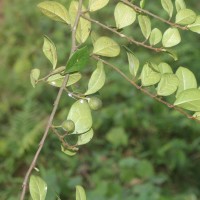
(140, 10)
(49, 123)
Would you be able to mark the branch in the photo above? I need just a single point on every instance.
(52, 115)
(144, 90)
(140, 10)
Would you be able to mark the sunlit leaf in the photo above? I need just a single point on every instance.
(80, 193)
(68, 152)
(38, 188)
(97, 4)
(171, 37)
(185, 17)
(85, 137)
(145, 25)
(49, 50)
(168, 84)
(124, 15)
(180, 4)
(34, 76)
(195, 27)
(189, 99)
(80, 114)
(133, 64)
(168, 6)
(105, 46)
(97, 79)
(165, 68)
(55, 11)
(155, 37)
(186, 78)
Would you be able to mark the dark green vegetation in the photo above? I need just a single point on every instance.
(141, 150)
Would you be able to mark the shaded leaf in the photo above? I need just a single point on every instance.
(55, 11)
(96, 4)
(171, 37)
(172, 53)
(165, 68)
(195, 27)
(97, 79)
(145, 25)
(197, 115)
(68, 152)
(133, 64)
(105, 46)
(85, 137)
(34, 76)
(80, 193)
(185, 17)
(94, 37)
(180, 4)
(155, 37)
(124, 15)
(142, 3)
(38, 188)
(168, 6)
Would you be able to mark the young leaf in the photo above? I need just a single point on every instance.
(49, 50)
(189, 99)
(34, 76)
(133, 64)
(96, 4)
(85, 137)
(167, 85)
(105, 46)
(168, 6)
(80, 193)
(171, 37)
(57, 79)
(185, 17)
(38, 188)
(145, 25)
(124, 15)
(195, 27)
(97, 79)
(164, 68)
(186, 78)
(172, 53)
(55, 11)
(149, 76)
(142, 3)
(68, 152)
(80, 114)
(78, 60)
(180, 4)
(155, 37)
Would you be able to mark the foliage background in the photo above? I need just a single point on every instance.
(141, 149)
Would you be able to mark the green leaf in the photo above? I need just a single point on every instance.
(80, 114)
(142, 3)
(172, 53)
(195, 27)
(96, 4)
(124, 15)
(189, 99)
(180, 4)
(85, 137)
(68, 151)
(97, 79)
(167, 85)
(133, 64)
(185, 17)
(38, 188)
(94, 36)
(57, 79)
(80, 193)
(171, 37)
(168, 6)
(49, 50)
(155, 37)
(149, 76)
(197, 115)
(105, 46)
(55, 11)
(165, 68)
(78, 60)
(145, 25)
(34, 76)
(186, 78)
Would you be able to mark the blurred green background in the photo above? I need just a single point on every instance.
(141, 150)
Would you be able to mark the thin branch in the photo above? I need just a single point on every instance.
(52, 115)
(129, 39)
(140, 10)
(144, 90)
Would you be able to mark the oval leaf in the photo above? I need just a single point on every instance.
(105, 46)
(195, 27)
(168, 6)
(124, 15)
(34, 76)
(97, 79)
(68, 151)
(185, 17)
(55, 11)
(85, 137)
(186, 78)
(96, 4)
(80, 114)
(145, 25)
(80, 193)
(180, 4)
(164, 68)
(155, 37)
(38, 188)
(133, 64)
(49, 50)
(171, 37)
(167, 85)
(189, 99)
